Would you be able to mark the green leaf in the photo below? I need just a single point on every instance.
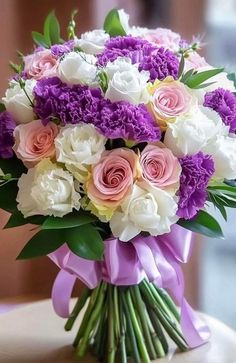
(232, 77)
(204, 224)
(204, 85)
(71, 220)
(2, 107)
(52, 29)
(181, 66)
(186, 75)
(198, 78)
(17, 219)
(112, 24)
(8, 193)
(41, 244)
(40, 40)
(16, 67)
(12, 166)
(103, 80)
(86, 242)
(218, 205)
(226, 187)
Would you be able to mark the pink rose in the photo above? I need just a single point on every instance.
(164, 38)
(34, 142)
(169, 100)
(41, 64)
(113, 177)
(160, 167)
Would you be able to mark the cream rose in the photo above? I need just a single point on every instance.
(126, 83)
(41, 64)
(78, 68)
(17, 103)
(93, 42)
(47, 189)
(160, 168)
(191, 132)
(79, 147)
(169, 99)
(152, 211)
(34, 142)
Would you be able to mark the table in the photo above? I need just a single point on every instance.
(34, 334)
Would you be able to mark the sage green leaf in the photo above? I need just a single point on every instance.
(186, 75)
(17, 219)
(181, 66)
(86, 242)
(52, 29)
(8, 193)
(198, 78)
(112, 24)
(71, 220)
(41, 244)
(203, 224)
(40, 40)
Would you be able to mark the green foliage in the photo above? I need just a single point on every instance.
(51, 33)
(103, 80)
(72, 25)
(16, 67)
(71, 220)
(17, 219)
(194, 79)
(84, 241)
(8, 193)
(232, 77)
(2, 107)
(181, 66)
(222, 196)
(12, 166)
(203, 224)
(112, 24)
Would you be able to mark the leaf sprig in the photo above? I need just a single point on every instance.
(51, 32)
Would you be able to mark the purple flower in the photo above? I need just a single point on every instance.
(127, 121)
(161, 64)
(196, 173)
(224, 102)
(128, 46)
(58, 50)
(70, 104)
(7, 126)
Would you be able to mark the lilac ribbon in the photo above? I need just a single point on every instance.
(155, 258)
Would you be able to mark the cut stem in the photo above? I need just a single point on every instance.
(77, 309)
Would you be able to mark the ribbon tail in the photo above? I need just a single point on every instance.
(196, 332)
(61, 293)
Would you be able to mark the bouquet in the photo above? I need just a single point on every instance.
(113, 144)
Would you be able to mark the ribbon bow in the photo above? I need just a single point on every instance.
(156, 258)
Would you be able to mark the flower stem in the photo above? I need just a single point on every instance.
(111, 328)
(81, 349)
(169, 302)
(140, 340)
(130, 329)
(122, 337)
(137, 300)
(158, 335)
(77, 309)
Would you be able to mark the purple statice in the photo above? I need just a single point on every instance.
(161, 64)
(196, 172)
(58, 50)
(127, 121)
(69, 104)
(7, 126)
(224, 103)
(132, 47)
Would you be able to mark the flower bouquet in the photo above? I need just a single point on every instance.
(114, 144)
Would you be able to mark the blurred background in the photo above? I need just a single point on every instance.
(211, 273)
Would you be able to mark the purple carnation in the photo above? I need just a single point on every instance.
(128, 46)
(224, 102)
(161, 64)
(71, 104)
(7, 126)
(196, 173)
(127, 121)
(58, 50)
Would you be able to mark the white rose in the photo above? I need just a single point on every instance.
(17, 103)
(152, 211)
(223, 151)
(126, 83)
(93, 42)
(78, 68)
(47, 190)
(191, 132)
(79, 146)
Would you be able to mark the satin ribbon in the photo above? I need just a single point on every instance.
(156, 258)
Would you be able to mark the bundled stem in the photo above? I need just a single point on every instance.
(129, 321)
